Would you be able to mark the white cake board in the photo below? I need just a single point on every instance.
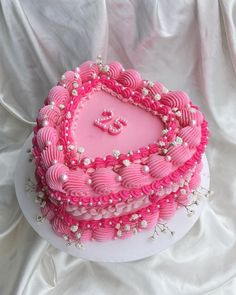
(137, 247)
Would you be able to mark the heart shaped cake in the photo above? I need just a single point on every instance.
(114, 153)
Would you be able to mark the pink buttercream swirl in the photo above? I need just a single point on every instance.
(159, 167)
(49, 114)
(114, 69)
(46, 136)
(191, 135)
(133, 176)
(77, 184)
(177, 99)
(56, 175)
(187, 117)
(179, 154)
(69, 79)
(58, 95)
(87, 69)
(51, 156)
(130, 78)
(105, 181)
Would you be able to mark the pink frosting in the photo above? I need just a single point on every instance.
(54, 177)
(51, 156)
(187, 118)
(152, 219)
(133, 176)
(130, 78)
(77, 183)
(159, 167)
(58, 95)
(46, 136)
(49, 114)
(114, 69)
(87, 69)
(179, 154)
(195, 182)
(102, 234)
(191, 135)
(86, 236)
(105, 181)
(178, 99)
(157, 88)
(167, 209)
(59, 226)
(70, 78)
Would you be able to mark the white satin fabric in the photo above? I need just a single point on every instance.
(188, 45)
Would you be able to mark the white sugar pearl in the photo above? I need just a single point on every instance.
(145, 169)
(87, 161)
(63, 177)
(74, 228)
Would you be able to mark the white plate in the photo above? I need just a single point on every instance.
(137, 247)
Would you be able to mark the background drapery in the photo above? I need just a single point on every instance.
(186, 44)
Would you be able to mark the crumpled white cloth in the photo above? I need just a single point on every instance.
(188, 45)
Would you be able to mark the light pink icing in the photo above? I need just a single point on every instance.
(157, 88)
(179, 154)
(105, 181)
(58, 95)
(130, 78)
(187, 118)
(77, 183)
(49, 114)
(51, 156)
(114, 69)
(103, 234)
(191, 135)
(133, 176)
(99, 143)
(59, 226)
(46, 136)
(178, 99)
(167, 209)
(159, 167)
(54, 176)
(69, 79)
(87, 69)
